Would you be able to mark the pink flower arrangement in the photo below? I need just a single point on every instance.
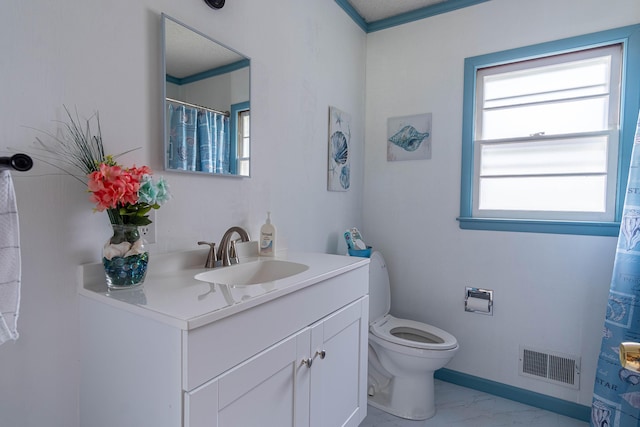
(126, 194)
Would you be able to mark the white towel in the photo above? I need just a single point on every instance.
(9, 260)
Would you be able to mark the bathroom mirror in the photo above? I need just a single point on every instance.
(206, 96)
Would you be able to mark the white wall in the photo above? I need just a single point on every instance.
(106, 56)
(218, 92)
(550, 290)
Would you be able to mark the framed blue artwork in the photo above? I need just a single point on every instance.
(339, 173)
(409, 137)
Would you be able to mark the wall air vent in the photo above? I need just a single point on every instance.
(555, 368)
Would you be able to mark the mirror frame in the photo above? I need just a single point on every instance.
(232, 110)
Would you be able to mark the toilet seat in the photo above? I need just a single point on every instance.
(413, 334)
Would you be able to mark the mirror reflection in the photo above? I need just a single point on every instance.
(206, 104)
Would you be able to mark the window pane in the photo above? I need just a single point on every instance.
(590, 91)
(548, 79)
(243, 167)
(559, 194)
(245, 147)
(582, 115)
(245, 122)
(244, 136)
(557, 156)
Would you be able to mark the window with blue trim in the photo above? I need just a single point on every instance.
(547, 134)
(239, 125)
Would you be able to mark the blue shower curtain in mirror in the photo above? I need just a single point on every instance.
(182, 137)
(616, 396)
(198, 140)
(206, 141)
(222, 138)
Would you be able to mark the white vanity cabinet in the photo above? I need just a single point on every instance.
(313, 378)
(296, 357)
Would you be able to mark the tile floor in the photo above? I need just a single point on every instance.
(463, 407)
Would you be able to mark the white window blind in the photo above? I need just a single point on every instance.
(546, 137)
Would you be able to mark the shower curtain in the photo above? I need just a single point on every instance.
(198, 140)
(206, 141)
(182, 137)
(223, 155)
(616, 396)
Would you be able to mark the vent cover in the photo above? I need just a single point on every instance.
(555, 368)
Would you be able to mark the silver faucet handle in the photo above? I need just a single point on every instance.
(211, 257)
(233, 253)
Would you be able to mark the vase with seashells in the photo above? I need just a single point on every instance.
(125, 257)
(127, 195)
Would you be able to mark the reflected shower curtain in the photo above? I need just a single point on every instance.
(182, 137)
(223, 142)
(198, 140)
(616, 396)
(206, 141)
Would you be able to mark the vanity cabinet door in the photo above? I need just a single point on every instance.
(270, 389)
(339, 345)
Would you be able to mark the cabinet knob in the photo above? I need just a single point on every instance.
(320, 353)
(307, 362)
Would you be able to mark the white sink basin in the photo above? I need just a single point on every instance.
(252, 273)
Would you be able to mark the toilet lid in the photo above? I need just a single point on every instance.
(414, 334)
(379, 287)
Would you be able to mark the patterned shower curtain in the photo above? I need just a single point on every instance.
(206, 141)
(198, 140)
(182, 137)
(616, 399)
(223, 159)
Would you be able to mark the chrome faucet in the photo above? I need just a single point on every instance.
(227, 248)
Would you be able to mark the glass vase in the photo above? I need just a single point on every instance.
(125, 257)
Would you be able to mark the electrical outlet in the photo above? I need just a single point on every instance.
(149, 231)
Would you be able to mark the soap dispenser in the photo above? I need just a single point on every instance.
(268, 238)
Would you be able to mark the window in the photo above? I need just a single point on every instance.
(239, 124)
(547, 134)
(546, 137)
(243, 142)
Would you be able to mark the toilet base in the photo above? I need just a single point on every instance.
(398, 398)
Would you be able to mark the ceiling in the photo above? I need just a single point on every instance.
(189, 53)
(375, 10)
(374, 15)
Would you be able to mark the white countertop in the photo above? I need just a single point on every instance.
(170, 293)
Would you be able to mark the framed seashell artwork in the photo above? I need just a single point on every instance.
(339, 178)
(409, 137)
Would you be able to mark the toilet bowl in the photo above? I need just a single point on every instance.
(403, 354)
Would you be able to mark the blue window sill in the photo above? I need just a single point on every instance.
(541, 226)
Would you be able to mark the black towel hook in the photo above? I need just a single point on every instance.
(20, 162)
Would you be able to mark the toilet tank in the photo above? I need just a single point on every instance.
(379, 287)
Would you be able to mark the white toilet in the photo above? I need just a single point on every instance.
(403, 354)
